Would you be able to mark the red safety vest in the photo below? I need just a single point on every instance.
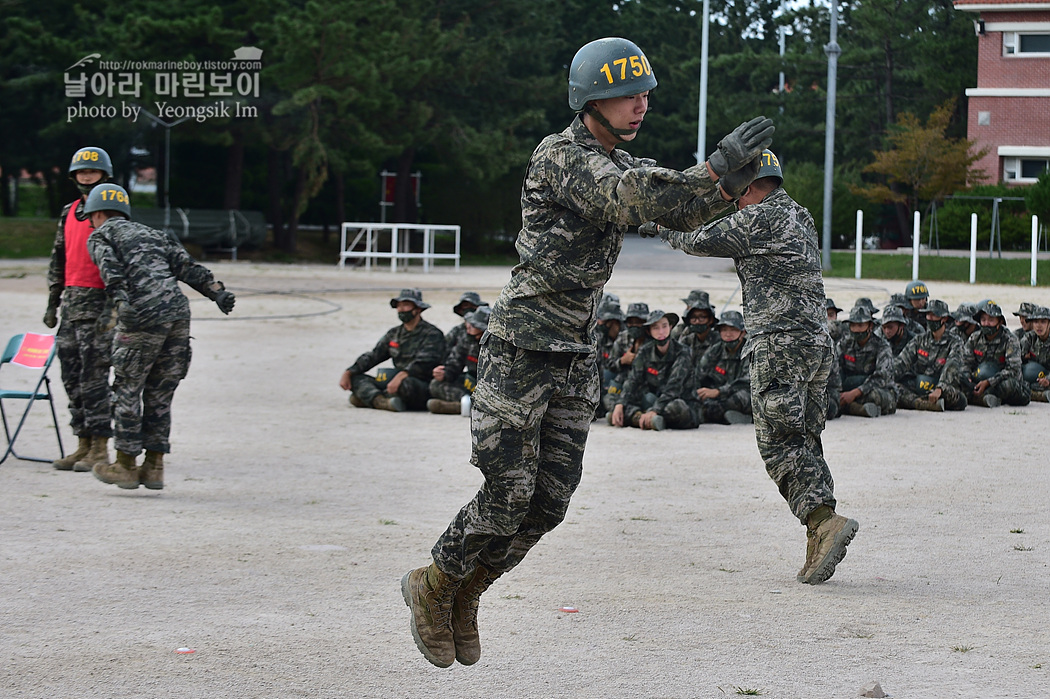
(80, 268)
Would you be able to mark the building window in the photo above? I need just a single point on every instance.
(1015, 43)
(1024, 170)
(984, 118)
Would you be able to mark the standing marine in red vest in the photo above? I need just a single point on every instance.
(84, 342)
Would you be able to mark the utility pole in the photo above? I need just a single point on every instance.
(832, 49)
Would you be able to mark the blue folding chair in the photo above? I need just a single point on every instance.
(34, 352)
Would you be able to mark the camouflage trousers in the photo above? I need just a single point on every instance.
(444, 390)
(529, 421)
(415, 392)
(885, 398)
(148, 365)
(84, 353)
(789, 376)
(907, 399)
(1009, 391)
(677, 414)
(715, 408)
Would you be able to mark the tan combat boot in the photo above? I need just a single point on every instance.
(392, 403)
(151, 473)
(67, 462)
(863, 409)
(465, 615)
(936, 406)
(1039, 397)
(357, 402)
(443, 407)
(121, 472)
(98, 455)
(829, 536)
(429, 593)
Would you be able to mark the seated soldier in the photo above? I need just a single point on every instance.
(1023, 314)
(834, 389)
(895, 328)
(658, 392)
(623, 352)
(415, 347)
(698, 320)
(723, 376)
(834, 324)
(928, 368)
(866, 363)
(993, 361)
(607, 330)
(866, 303)
(454, 380)
(965, 325)
(467, 303)
(916, 326)
(1035, 354)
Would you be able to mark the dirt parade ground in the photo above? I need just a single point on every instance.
(275, 551)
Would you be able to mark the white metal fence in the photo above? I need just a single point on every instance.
(397, 242)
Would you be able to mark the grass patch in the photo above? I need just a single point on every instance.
(387, 522)
(932, 267)
(1017, 531)
(1023, 548)
(21, 238)
(963, 649)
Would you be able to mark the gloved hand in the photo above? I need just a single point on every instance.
(735, 182)
(653, 230)
(225, 300)
(742, 145)
(51, 317)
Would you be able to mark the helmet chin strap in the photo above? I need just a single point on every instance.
(600, 118)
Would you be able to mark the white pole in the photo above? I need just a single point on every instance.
(1035, 245)
(860, 240)
(973, 248)
(915, 248)
(701, 127)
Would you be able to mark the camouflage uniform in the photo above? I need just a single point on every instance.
(834, 385)
(725, 367)
(417, 352)
(941, 360)
(664, 385)
(142, 269)
(608, 310)
(1023, 312)
(461, 364)
(1036, 350)
(614, 371)
(453, 336)
(538, 373)
(892, 314)
(1007, 385)
(963, 314)
(835, 328)
(83, 349)
(777, 254)
(870, 366)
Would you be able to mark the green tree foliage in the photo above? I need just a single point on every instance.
(1037, 198)
(1015, 223)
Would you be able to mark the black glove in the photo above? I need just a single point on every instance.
(51, 317)
(735, 182)
(653, 230)
(225, 300)
(742, 145)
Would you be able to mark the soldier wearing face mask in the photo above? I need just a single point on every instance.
(606, 331)
(928, 369)
(1035, 353)
(835, 328)
(866, 363)
(896, 329)
(915, 320)
(698, 322)
(623, 352)
(723, 375)
(415, 347)
(657, 393)
(993, 360)
(965, 325)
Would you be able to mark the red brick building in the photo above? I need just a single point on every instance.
(1009, 110)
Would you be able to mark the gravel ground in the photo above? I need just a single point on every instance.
(276, 548)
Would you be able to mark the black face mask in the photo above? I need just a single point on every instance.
(989, 331)
(635, 332)
(935, 324)
(860, 336)
(732, 345)
(406, 316)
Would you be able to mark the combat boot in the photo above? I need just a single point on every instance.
(151, 473)
(828, 534)
(66, 463)
(989, 401)
(429, 593)
(735, 417)
(863, 409)
(465, 615)
(443, 407)
(392, 403)
(357, 402)
(121, 472)
(936, 406)
(1039, 397)
(657, 423)
(98, 455)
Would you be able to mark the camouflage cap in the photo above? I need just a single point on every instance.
(731, 319)
(413, 295)
(1025, 311)
(860, 314)
(609, 298)
(637, 310)
(965, 313)
(833, 307)
(938, 308)
(610, 310)
(479, 317)
(866, 302)
(899, 301)
(657, 314)
(989, 308)
(893, 314)
(916, 289)
(698, 300)
(471, 297)
(1039, 313)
